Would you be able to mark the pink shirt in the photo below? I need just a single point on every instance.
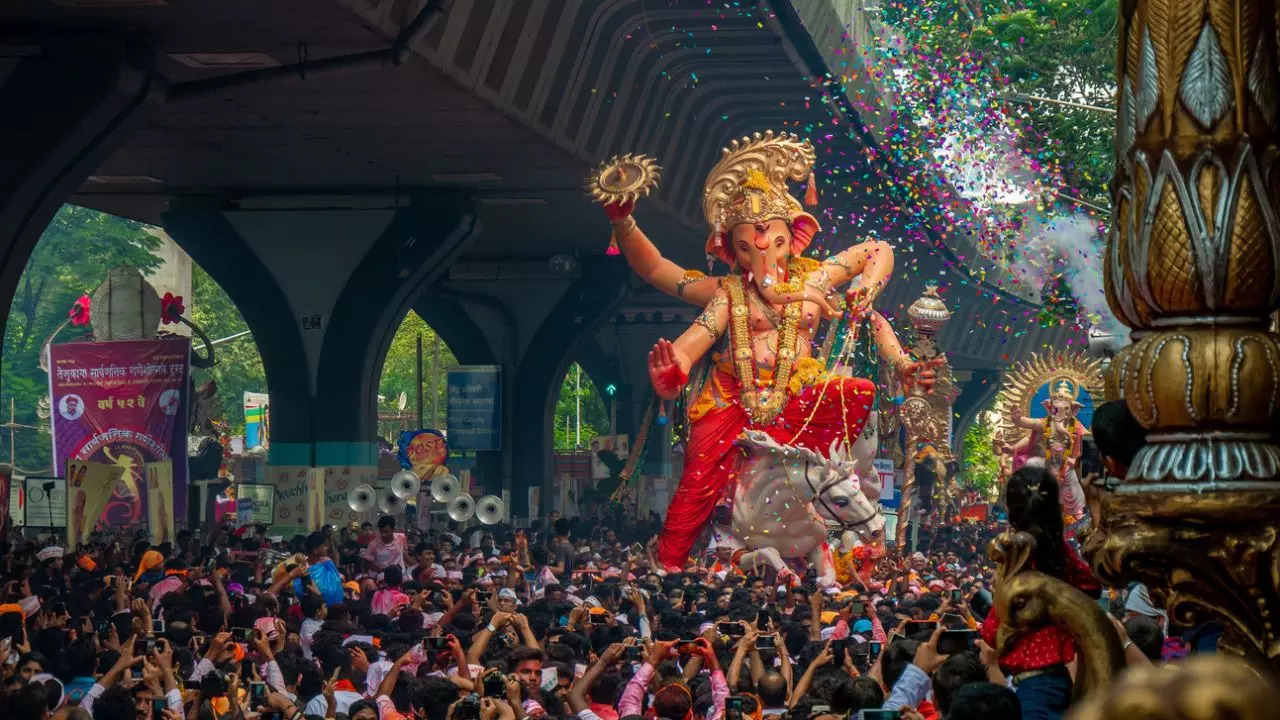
(386, 599)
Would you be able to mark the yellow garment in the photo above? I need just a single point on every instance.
(151, 560)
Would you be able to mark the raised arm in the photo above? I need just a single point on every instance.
(669, 362)
(645, 258)
(873, 260)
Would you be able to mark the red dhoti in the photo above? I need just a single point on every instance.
(819, 414)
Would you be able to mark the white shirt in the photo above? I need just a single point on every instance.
(307, 635)
(318, 705)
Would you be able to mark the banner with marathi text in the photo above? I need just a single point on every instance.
(123, 403)
(89, 488)
(160, 501)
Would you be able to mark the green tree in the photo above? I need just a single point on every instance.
(595, 412)
(400, 374)
(1045, 48)
(72, 258)
(980, 465)
(238, 365)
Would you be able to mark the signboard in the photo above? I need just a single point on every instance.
(122, 403)
(475, 408)
(17, 502)
(619, 444)
(46, 501)
(244, 512)
(257, 419)
(888, 491)
(90, 488)
(261, 502)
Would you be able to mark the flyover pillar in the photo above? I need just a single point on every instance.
(324, 291)
(590, 301)
(64, 108)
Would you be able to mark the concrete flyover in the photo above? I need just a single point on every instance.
(334, 163)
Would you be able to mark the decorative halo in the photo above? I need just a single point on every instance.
(1025, 379)
(623, 178)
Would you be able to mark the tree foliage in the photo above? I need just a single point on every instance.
(595, 411)
(238, 367)
(72, 258)
(981, 467)
(400, 374)
(1046, 48)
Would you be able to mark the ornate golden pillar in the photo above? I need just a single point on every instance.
(1191, 266)
(925, 416)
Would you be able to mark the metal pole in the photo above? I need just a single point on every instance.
(435, 382)
(419, 380)
(915, 530)
(577, 396)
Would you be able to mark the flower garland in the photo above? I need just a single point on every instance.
(763, 401)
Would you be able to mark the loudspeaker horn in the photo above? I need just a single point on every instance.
(444, 488)
(490, 509)
(405, 484)
(362, 497)
(389, 503)
(462, 508)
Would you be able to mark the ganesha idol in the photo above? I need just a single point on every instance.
(747, 364)
(1055, 442)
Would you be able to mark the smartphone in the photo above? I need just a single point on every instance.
(246, 670)
(955, 596)
(873, 651)
(157, 626)
(879, 714)
(158, 706)
(951, 642)
(143, 647)
(634, 653)
(838, 651)
(493, 685)
(733, 704)
(242, 634)
(687, 646)
(136, 673)
(210, 565)
(59, 608)
(435, 643)
(257, 692)
(919, 626)
(599, 619)
(764, 642)
(857, 610)
(732, 629)
(483, 596)
(636, 549)
(763, 619)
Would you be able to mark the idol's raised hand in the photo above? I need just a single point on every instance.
(668, 369)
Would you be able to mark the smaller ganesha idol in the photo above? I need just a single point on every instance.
(1063, 388)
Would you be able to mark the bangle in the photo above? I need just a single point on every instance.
(492, 628)
(623, 227)
(1127, 644)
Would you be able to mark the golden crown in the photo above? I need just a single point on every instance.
(1066, 390)
(749, 184)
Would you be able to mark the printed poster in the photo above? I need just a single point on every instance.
(160, 501)
(122, 403)
(338, 484)
(299, 496)
(90, 486)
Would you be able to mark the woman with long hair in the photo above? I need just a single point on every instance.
(1037, 661)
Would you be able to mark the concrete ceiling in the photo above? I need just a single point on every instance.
(513, 99)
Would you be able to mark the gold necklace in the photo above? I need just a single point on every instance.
(763, 403)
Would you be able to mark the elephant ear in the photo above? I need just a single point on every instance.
(718, 247)
(803, 227)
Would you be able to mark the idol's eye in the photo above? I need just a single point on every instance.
(779, 240)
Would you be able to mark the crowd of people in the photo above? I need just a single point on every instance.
(568, 618)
